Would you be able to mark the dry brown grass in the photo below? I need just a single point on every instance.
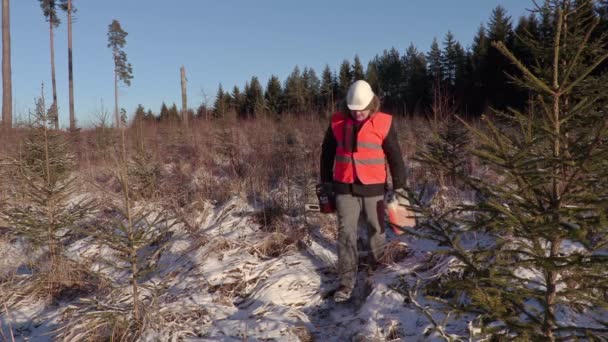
(394, 252)
(65, 282)
(214, 160)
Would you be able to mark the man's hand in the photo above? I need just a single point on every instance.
(400, 195)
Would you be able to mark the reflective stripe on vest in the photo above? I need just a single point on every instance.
(367, 161)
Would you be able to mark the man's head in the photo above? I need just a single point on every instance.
(361, 100)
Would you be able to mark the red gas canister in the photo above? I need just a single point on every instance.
(327, 200)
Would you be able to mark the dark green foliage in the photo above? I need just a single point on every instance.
(417, 80)
(468, 81)
(117, 41)
(144, 172)
(295, 92)
(498, 89)
(345, 78)
(238, 100)
(169, 114)
(140, 115)
(164, 112)
(434, 62)
(174, 113)
(449, 59)
(149, 115)
(532, 247)
(254, 98)
(448, 148)
(221, 104)
(479, 54)
(274, 96)
(49, 10)
(390, 84)
(49, 210)
(328, 90)
(371, 74)
(312, 89)
(358, 72)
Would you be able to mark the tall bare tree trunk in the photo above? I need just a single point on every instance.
(116, 99)
(7, 85)
(184, 97)
(70, 72)
(53, 82)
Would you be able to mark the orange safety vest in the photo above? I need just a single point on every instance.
(367, 162)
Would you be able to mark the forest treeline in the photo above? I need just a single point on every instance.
(468, 80)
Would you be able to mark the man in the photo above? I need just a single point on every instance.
(357, 146)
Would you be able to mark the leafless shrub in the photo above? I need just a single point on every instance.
(71, 280)
(274, 245)
(394, 252)
(303, 334)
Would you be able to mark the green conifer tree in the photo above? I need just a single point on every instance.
(417, 89)
(273, 96)
(47, 215)
(358, 72)
(345, 78)
(328, 90)
(220, 106)
(531, 249)
(123, 71)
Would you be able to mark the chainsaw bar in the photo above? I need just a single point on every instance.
(312, 207)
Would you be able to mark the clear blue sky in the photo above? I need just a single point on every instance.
(220, 41)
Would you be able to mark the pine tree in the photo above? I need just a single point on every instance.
(49, 9)
(173, 114)
(479, 60)
(295, 97)
(328, 90)
(312, 87)
(462, 82)
(391, 81)
(220, 106)
(499, 90)
(417, 91)
(371, 74)
(358, 73)
(139, 115)
(345, 79)
(163, 115)
(434, 62)
(273, 96)
(238, 101)
(135, 234)
(49, 212)
(150, 116)
(448, 60)
(254, 97)
(123, 71)
(536, 269)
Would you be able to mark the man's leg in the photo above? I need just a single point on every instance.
(348, 210)
(372, 208)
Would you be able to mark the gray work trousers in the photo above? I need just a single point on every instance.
(349, 208)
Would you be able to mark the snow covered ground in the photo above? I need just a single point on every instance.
(226, 283)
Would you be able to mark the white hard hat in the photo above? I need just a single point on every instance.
(359, 96)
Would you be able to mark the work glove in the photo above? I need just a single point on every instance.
(401, 196)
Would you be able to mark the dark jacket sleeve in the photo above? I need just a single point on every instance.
(328, 154)
(392, 150)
